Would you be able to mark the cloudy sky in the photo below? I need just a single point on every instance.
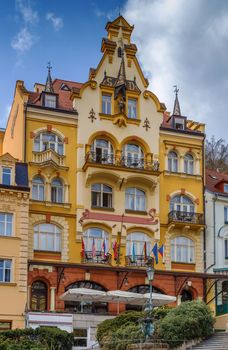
(183, 43)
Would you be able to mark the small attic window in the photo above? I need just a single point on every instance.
(50, 101)
(64, 87)
(179, 123)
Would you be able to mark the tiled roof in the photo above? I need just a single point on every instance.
(213, 179)
(64, 101)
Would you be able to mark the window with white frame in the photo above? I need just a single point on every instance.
(47, 237)
(80, 337)
(226, 215)
(182, 203)
(182, 250)
(102, 151)
(6, 224)
(172, 162)
(57, 191)
(101, 196)
(106, 104)
(5, 270)
(136, 243)
(6, 175)
(133, 156)
(132, 108)
(188, 164)
(94, 238)
(38, 188)
(50, 101)
(48, 140)
(135, 199)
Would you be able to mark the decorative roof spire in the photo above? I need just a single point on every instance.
(176, 107)
(49, 84)
(121, 78)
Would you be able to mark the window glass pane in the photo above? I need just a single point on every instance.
(6, 176)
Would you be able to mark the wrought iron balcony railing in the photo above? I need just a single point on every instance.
(186, 217)
(137, 260)
(47, 156)
(96, 258)
(128, 162)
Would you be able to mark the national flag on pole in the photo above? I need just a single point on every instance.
(115, 251)
(155, 252)
(145, 251)
(133, 251)
(104, 247)
(83, 248)
(161, 250)
(93, 249)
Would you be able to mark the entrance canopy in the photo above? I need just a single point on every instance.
(116, 296)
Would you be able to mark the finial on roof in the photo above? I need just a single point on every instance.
(49, 85)
(176, 107)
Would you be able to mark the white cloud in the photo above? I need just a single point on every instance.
(29, 15)
(23, 41)
(57, 22)
(185, 43)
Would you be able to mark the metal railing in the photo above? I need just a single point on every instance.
(137, 260)
(128, 162)
(96, 258)
(186, 217)
(48, 155)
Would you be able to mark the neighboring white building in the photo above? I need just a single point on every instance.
(216, 239)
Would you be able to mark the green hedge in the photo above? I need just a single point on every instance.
(42, 338)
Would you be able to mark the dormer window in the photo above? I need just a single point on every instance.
(50, 101)
(179, 123)
(226, 188)
(6, 176)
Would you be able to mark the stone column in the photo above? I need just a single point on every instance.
(52, 299)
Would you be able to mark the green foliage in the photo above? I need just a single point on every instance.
(42, 338)
(190, 320)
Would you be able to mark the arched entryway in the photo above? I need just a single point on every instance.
(39, 294)
(186, 295)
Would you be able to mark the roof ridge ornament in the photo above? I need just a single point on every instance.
(176, 107)
(49, 84)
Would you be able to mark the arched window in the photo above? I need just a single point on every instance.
(57, 191)
(182, 203)
(101, 196)
(39, 296)
(47, 237)
(135, 199)
(48, 140)
(186, 295)
(172, 162)
(138, 247)
(94, 239)
(182, 250)
(133, 156)
(102, 151)
(86, 307)
(188, 164)
(38, 188)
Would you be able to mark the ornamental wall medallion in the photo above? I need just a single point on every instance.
(92, 115)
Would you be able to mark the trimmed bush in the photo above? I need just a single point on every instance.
(190, 320)
(41, 338)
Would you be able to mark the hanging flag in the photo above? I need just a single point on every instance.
(93, 249)
(161, 250)
(104, 247)
(83, 248)
(145, 252)
(133, 252)
(115, 251)
(155, 252)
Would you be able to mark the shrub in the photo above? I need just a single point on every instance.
(188, 321)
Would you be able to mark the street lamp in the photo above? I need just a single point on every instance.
(150, 277)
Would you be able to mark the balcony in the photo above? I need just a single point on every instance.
(186, 217)
(47, 158)
(110, 160)
(97, 258)
(137, 260)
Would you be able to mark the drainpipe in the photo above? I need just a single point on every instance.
(214, 230)
(25, 130)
